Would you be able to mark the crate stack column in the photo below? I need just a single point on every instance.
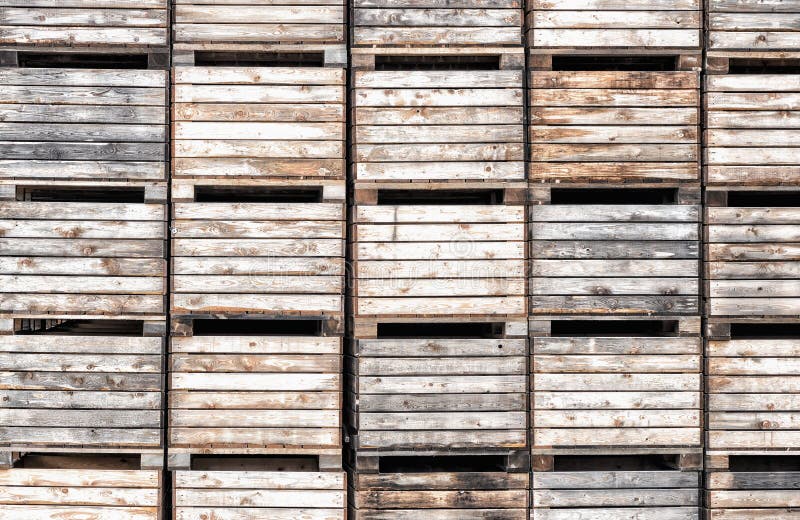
(257, 266)
(83, 258)
(614, 175)
(752, 302)
(437, 342)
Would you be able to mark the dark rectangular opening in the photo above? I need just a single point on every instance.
(256, 194)
(764, 463)
(613, 195)
(81, 327)
(259, 59)
(611, 463)
(764, 330)
(79, 461)
(440, 330)
(439, 197)
(82, 60)
(440, 464)
(764, 66)
(447, 62)
(758, 199)
(256, 327)
(254, 463)
(633, 328)
(615, 63)
(119, 195)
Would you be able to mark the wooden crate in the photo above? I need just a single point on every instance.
(750, 253)
(616, 495)
(414, 23)
(751, 120)
(93, 251)
(610, 125)
(274, 258)
(751, 25)
(242, 392)
(616, 385)
(438, 490)
(438, 125)
(751, 384)
(258, 122)
(637, 253)
(439, 394)
(430, 259)
(259, 494)
(96, 23)
(604, 24)
(77, 385)
(258, 21)
(83, 124)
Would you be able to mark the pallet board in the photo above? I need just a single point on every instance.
(433, 125)
(259, 21)
(751, 121)
(258, 122)
(92, 124)
(93, 258)
(96, 494)
(592, 389)
(614, 126)
(255, 394)
(439, 495)
(97, 23)
(625, 259)
(751, 260)
(646, 24)
(431, 22)
(439, 394)
(79, 389)
(751, 401)
(617, 495)
(443, 260)
(753, 25)
(746, 495)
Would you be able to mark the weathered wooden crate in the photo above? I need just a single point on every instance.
(83, 124)
(752, 378)
(78, 385)
(438, 489)
(751, 257)
(258, 122)
(255, 387)
(424, 23)
(443, 253)
(614, 119)
(752, 117)
(81, 487)
(259, 21)
(609, 386)
(96, 23)
(417, 389)
(438, 125)
(275, 249)
(96, 250)
(753, 488)
(753, 25)
(623, 250)
(259, 494)
(609, 24)
(599, 490)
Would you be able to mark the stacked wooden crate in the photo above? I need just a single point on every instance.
(614, 288)
(437, 409)
(83, 227)
(752, 297)
(257, 263)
